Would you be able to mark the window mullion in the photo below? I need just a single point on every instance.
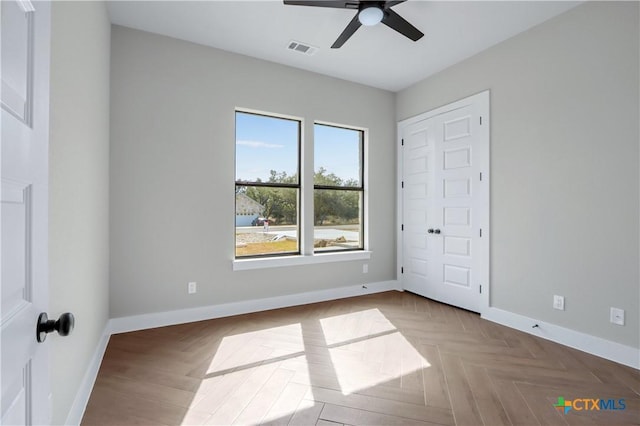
(306, 198)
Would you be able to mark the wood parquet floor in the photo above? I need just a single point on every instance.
(384, 359)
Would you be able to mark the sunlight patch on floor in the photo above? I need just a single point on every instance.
(247, 364)
(354, 325)
(250, 349)
(367, 350)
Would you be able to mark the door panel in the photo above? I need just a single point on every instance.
(16, 288)
(15, 400)
(457, 158)
(17, 59)
(456, 275)
(442, 158)
(458, 127)
(457, 246)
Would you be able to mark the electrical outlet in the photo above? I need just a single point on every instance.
(558, 302)
(192, 287)
(617, 316)
(365, 268)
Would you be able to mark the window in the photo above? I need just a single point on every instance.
(270, 195)
(338, 188)
(267, 185)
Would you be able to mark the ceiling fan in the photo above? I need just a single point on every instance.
(369, 13)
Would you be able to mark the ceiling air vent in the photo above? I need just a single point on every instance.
(305, 49)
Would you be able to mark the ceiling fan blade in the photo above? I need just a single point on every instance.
(348, 32)
(337, 4)
(392, 3)
(393, 20)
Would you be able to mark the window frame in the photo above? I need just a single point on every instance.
(361, 189)
(297, 186)
(306, 254)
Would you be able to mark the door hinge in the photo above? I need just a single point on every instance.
(481, 120)
(481, 232)
(480, 175)
(402, 227)
(402, 269)
(402, 142)
(480, 288)
(402, 184)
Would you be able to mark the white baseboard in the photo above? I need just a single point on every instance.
(613, 351)
(74, 417)
(161, 319)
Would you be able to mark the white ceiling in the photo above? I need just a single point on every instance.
(376, 56)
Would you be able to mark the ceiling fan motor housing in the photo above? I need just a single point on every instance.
(369, 13)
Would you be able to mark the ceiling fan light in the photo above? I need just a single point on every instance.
(370, 16)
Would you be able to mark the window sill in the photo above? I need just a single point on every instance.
(276, 262)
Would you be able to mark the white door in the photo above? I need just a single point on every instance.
(25, 128)
(418, 204)
(445, 203)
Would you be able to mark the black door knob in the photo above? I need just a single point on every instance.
(430, 230)
(63, 325)
(437, 231)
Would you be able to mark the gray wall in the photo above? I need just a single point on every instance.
(79, 189)
(564, 165)
(172, 171)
